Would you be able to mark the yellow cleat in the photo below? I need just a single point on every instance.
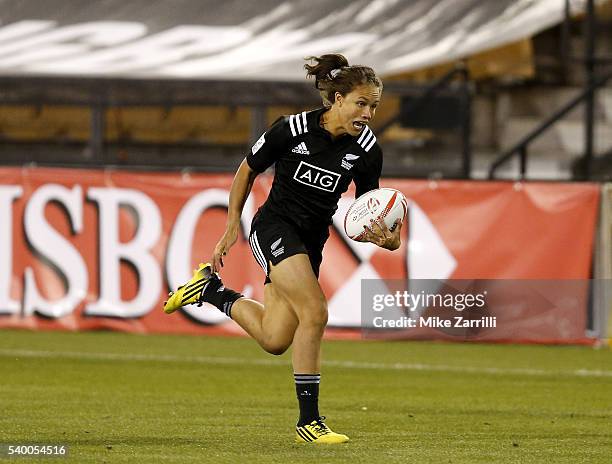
(318, 432)
(192, 291)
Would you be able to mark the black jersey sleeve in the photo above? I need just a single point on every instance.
(270, 146)
(368, 173)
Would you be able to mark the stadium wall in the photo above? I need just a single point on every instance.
(99, 249)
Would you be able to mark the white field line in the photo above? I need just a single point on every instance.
(97, 356)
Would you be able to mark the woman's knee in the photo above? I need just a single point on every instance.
(276, 346)
(314, 314)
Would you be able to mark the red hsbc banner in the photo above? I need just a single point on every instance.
(92, 249)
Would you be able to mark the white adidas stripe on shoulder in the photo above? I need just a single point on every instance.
(367, 139)
(297, 123)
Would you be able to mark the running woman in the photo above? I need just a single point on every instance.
(316, 154)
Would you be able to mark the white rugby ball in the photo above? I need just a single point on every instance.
(383, 203)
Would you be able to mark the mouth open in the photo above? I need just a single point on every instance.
(358, 125)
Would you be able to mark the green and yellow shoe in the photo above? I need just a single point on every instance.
(318, 432)
(191, 292)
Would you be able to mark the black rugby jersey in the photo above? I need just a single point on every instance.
(312, 170)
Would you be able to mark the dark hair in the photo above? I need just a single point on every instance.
(333, 74)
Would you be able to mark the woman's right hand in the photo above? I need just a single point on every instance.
(223, 246)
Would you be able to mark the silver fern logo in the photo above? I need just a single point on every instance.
(348, 157)
(274, 248)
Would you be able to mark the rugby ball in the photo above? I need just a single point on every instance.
(384, 203)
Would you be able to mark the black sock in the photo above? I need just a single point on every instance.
(307, 389)
(218, 295)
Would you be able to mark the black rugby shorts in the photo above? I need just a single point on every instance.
(273, 239)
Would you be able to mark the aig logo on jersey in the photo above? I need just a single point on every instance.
(316, 177)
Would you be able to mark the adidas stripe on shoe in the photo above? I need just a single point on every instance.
(192, 291)
(318, 432)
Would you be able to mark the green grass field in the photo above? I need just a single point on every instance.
(142, 399)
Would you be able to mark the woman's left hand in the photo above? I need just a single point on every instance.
(379, 234)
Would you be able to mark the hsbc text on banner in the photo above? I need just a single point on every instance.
(91, 249)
